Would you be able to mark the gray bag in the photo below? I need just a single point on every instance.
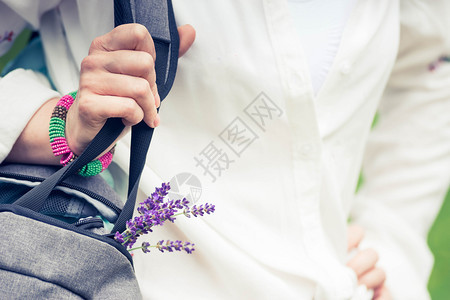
(42, 259)
(42, 255)
(52, 245)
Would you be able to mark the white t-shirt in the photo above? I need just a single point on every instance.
(320, 24)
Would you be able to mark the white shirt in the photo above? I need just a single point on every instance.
(283, 200)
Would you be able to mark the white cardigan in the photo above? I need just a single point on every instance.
(280, 163)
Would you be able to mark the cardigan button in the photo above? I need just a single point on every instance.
(308, 150)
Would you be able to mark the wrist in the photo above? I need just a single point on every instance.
(72, 131)
(32, 145)
(60, 145)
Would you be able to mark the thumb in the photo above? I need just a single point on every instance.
(187, 37)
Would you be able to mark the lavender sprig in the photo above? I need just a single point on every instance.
(154, 212)
(169, 246)
(199, 211)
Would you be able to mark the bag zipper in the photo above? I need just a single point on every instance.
(88, 220)
(89, 223)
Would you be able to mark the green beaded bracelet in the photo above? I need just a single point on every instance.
(59, 144)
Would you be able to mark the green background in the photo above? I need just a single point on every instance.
(439, 241)
(438, 238)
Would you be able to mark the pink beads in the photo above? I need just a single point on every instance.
(65, 101)
(59, 144)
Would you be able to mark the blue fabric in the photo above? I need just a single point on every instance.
(66, 207)
(84, 199)
(31, 57)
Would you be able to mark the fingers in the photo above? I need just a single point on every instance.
(119, 107)
(355, 235)
(187, 38)
(382, 293)
(114, 53)
(130, 37)
(373, 278)
(137, 37)
(122, 86)
(125, 37)
(364, 266)
(363, 261)
(87, 115)
(118, 79)
(133, 63)
(112, 107)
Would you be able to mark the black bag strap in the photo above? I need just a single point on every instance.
(167, 46)
(36, 197)
(159, 19)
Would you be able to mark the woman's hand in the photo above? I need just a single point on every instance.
(117, 79)
(364, 264)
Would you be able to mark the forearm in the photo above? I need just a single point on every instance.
(33, 144)
(22, 93)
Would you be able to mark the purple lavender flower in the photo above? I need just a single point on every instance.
(188, 247)
(154, 212)
(145, 247)
(155, 199)
(175, 245)
(118, 237)
(199, 211)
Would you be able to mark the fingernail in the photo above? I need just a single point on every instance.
(158, 100)
(156, 121)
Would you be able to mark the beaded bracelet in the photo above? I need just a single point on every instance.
(59, 144)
